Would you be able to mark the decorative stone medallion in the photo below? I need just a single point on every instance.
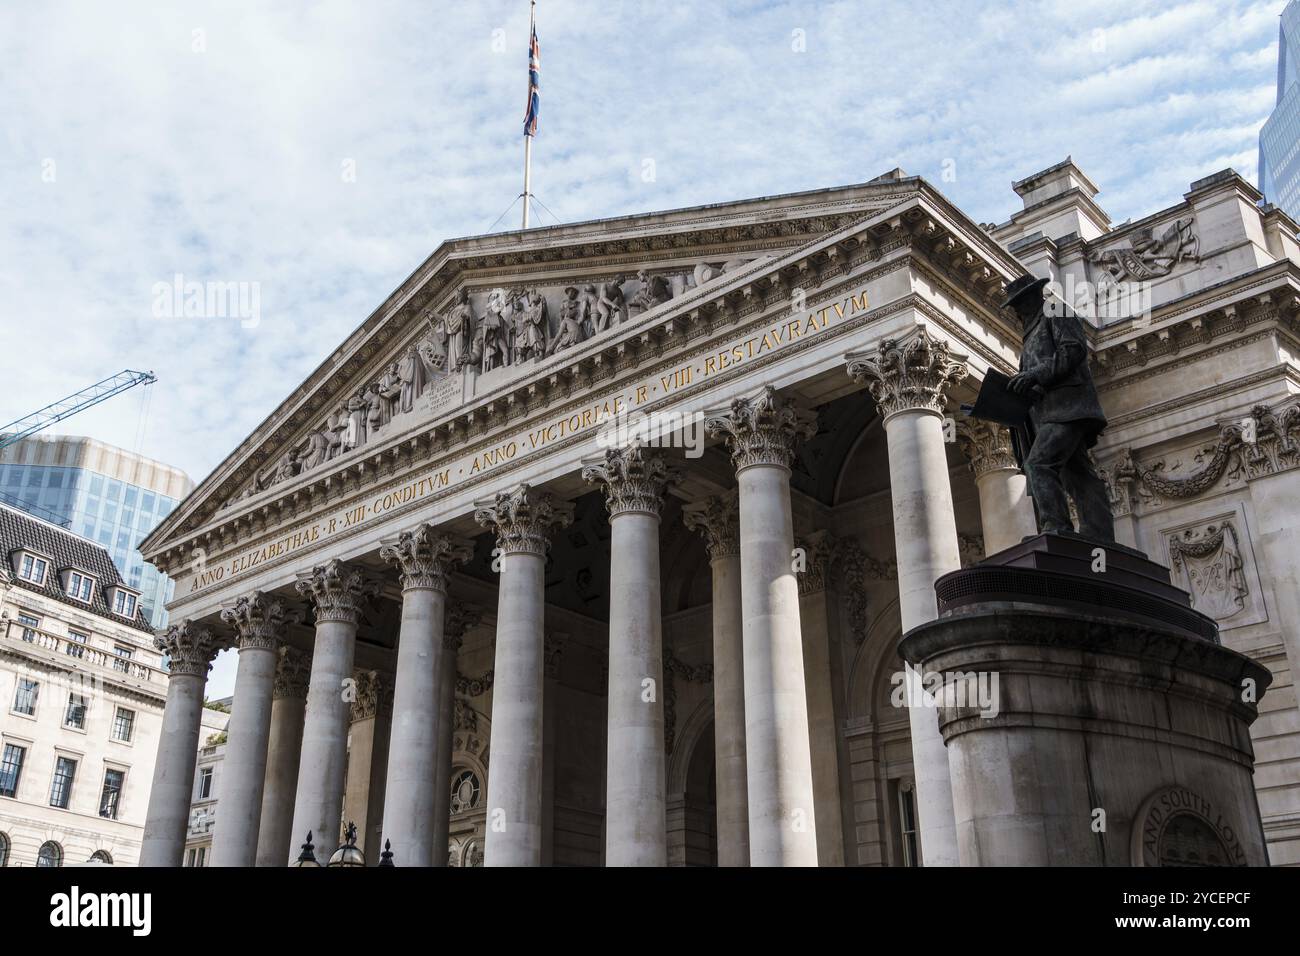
(1176, 826)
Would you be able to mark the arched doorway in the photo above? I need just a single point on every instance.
(692, 793)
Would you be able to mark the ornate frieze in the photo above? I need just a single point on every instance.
(523, 518)
(425, 557)
(258, 618)
(819, 550)
(987, 447)
(635, 479)
(762, 430)
(1209, 560)
(374, 693)
(1144, 255)
(190, 649)
(717, 519)
(336, 590)
(911, 373)
(292, 673)
(1263, 444)
(857, 568)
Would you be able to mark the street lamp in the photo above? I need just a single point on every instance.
(306, 857)
(348, 854)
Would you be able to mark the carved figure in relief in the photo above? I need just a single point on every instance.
(611, 307)
(530, 326)
(389, 390)
(587, 300)
(334, 429)
(375, 404)
(570, 331)
(317, 450)
(454, 333)
(492, 340)
(654, 291)
(357, 407)
(412, 375)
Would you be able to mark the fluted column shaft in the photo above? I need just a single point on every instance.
(283, 753)
(762, 433)
(257, 619)
(719, 521)
(521, 519)
(336, 589)
(425, 558)
(190, 650)
(908, 379)
(636, 832)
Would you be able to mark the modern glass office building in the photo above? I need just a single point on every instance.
(103, 493)
(1279, 139)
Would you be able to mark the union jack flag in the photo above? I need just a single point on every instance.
(534, 86)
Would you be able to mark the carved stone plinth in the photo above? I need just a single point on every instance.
(1109, 733)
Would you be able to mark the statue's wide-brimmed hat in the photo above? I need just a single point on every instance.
(1022, 287)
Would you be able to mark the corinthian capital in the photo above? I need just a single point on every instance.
(522, 519)
(987, 446)
(425, 557)
(461, 616)
(635, 479)
(258, 619)
(337, 591)
(718, 520)
(374, 692)
(762, 430)
(292, 673)
(911, 373)
(189, 649)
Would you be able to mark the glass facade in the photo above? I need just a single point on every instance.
(1279, 139)
(112, 513)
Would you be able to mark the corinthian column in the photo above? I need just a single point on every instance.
(762, 433)
(190, 650)
(288, 702)
(1006, 511)
(635, 826)
(336, 591)
(257, 619)
(460, 618)
(521, 518)
(425, 558)
(907, 379)
(718, 520)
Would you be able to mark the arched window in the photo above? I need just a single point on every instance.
(101, 856)
(51, 854)
(474, 854)
(4, 849)
(465, 791)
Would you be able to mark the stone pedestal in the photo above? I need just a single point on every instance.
(1091, 717)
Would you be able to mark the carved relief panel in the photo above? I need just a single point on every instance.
(1212, 559)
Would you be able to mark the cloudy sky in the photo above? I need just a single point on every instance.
(319, 151)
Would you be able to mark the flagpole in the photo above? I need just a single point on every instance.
(528, 137)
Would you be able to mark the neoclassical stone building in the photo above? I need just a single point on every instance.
(476, 618)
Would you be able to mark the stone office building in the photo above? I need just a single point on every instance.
(682, 649)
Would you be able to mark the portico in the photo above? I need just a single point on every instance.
(644, 679)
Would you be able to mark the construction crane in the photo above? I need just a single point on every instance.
(76, 402)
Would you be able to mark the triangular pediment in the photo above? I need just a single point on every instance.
(484, 310)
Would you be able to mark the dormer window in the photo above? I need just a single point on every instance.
(32, 568)
(124, 601)
(79, 586)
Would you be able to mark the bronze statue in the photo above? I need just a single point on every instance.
(1064, 413)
